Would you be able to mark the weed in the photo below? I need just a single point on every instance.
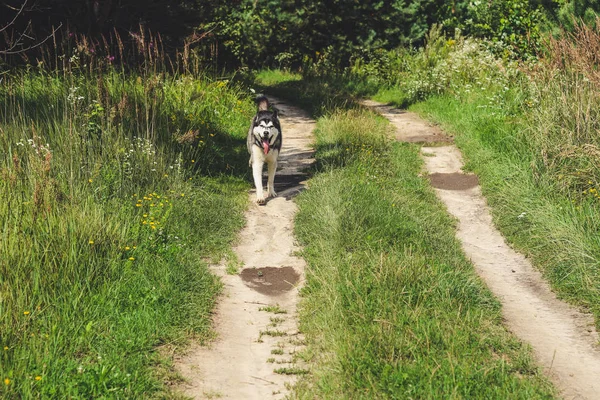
(276, 309)
(291, 371)
(276, 321)
(273, 333)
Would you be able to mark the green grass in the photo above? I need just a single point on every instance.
(117, 191)
(391, 308)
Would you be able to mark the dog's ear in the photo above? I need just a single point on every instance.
(263, 103)
(275, 113)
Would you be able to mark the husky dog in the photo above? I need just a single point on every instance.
(264, 144)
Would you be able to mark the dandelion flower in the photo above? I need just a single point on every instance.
(91, 242)
(5, 347)
(26, 313)
(38, 378)
(182, 194)
(138, 205)
(193, 161)
(131, 258)
(90, 180)
(127, 247)
(6, 381)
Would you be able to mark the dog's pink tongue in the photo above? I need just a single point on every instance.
(265, 144)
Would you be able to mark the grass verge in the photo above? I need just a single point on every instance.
(391, 307)
(117, 191)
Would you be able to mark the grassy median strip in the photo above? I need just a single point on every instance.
(391, 307)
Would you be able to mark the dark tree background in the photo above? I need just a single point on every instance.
(261, 33)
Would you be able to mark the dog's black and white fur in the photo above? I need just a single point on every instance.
(264, 144)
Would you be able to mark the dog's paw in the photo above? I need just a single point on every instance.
(272, 193)
(260, 200)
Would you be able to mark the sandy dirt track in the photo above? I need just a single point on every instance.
(253, 342)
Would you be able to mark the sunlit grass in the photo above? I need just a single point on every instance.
(116, 190)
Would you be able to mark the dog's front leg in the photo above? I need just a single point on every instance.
(272, 166)
(257, 167)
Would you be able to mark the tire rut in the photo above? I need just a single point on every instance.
(256, 317)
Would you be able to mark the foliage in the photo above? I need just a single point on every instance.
(571, 11)
(512, 27)
(455, 65)
(267, 33)
(255, 33)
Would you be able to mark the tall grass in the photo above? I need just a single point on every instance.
(117, 188)
(391, 307)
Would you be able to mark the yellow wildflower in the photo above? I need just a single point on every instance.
(38, 378)
(91, 242)
(6, 381)
(26, 313)
(90, 180)
(5, 347)
(131, 258)
(127, 247)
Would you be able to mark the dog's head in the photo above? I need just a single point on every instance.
(266, 126)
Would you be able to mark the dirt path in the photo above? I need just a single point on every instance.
(564, 340)
(256, 317)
